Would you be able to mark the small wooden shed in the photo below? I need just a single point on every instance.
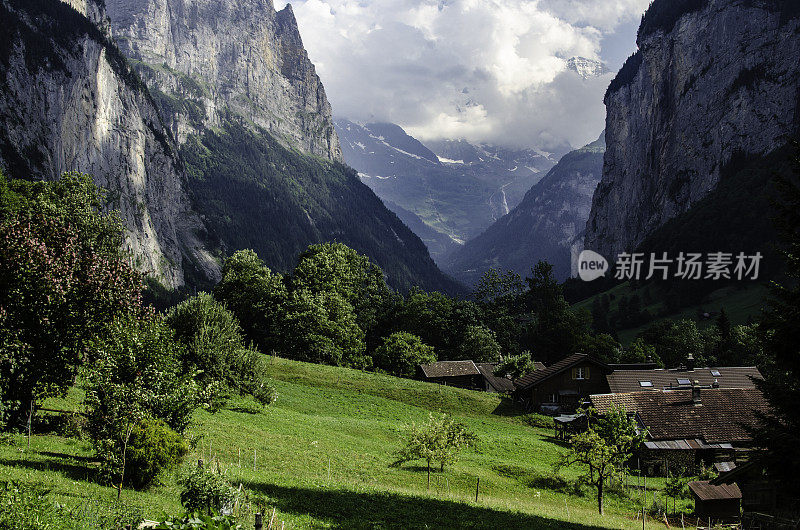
(718, 502)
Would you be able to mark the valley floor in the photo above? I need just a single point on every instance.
(320, 457)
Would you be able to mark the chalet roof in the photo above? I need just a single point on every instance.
(536, 377)
(708, 492)
(669, 415)
(500, 384)
(449, 369)
(662, 379)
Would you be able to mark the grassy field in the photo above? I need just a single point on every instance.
(741, 304)
(320, 457)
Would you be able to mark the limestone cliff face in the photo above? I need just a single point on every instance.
(213, 58)
(719, 79)
(68, 101)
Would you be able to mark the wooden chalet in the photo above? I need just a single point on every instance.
(463, 374)
(686, 428)
(563, 386)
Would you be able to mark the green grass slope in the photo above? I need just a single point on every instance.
(322, 456)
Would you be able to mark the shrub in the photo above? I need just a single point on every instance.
(401, 352)
(538, 420)
(206, 491)
(152, 448)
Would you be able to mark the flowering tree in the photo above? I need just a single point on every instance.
(63, 279)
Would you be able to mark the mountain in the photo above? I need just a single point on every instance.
(206, 122)
(587, 68)
(689, 106)
(447, 191)
(70, 101)
(544, 226)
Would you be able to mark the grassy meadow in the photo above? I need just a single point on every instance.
(320, 457)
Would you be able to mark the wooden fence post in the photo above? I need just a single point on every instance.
(259, 525)
(477, 488)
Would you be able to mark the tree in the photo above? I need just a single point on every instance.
(439, 440)
(437, 319)
(401, 352)
(555, 331)
(779, 432)
(337, 268)
(63, 279)
(674, 488)
(515, 366)
(214, 348)
(321, 327)
(256, 295)
(479, 344)
(209, 333)
(675, 340)
(135, 376)
(604, 448)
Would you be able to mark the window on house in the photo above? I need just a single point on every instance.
(715, 373)
(581, 372)
(551, 398)
(684, 382)
(645, 383)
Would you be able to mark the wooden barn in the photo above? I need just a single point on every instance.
(463, 374)
(716, 502)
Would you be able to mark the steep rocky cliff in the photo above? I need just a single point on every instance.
(69, 101)
(210, 59)
(241, 99)
(713, 81)
(544, 226)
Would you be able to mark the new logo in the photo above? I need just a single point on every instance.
(591, 265)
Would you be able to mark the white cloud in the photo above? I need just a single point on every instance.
(484, 70)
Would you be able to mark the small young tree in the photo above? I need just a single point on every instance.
(673, 488)
(401, 352)
(591, 450)
(604, 448)
(439, 440)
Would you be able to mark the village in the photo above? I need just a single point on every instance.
(694, 418)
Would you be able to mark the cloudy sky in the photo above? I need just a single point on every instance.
(485, 70)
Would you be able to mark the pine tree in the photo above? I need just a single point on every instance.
(780, 432)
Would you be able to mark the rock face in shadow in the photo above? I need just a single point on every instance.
(712, 80)
(69, 101)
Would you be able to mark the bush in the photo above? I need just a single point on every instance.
(206, 491)
(539, 420)
(152, 448)
(401, 352)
